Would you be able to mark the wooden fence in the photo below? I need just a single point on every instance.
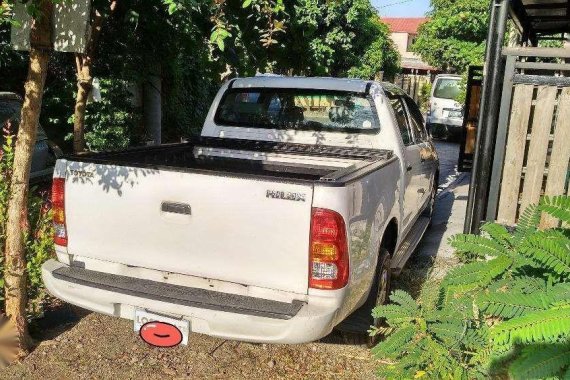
(412, 84)
(532, 152)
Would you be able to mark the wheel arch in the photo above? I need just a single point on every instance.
(390, 236)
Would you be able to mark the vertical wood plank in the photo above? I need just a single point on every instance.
(560, 156)
(538, 150)
(514, 155)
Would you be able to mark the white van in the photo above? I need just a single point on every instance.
(445, 114)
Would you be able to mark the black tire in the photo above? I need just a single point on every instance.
(379, 295)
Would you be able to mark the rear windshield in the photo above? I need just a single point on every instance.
(297, 109)
(447, 88)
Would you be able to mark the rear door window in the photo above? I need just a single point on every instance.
(399, 108)
(417, 121)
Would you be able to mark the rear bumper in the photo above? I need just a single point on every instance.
(304, 322)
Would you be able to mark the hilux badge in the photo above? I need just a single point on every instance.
(286, 195)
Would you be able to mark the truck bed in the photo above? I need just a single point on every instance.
(193, 157)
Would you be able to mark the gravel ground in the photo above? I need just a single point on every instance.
(101, 347)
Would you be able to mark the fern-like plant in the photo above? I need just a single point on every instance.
(506, 310)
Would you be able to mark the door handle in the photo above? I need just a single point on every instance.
(176, 208)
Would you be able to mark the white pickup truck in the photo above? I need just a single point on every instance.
(283, 221)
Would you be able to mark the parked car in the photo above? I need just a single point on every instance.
(283, 221)
(45, 152)
(445, 114)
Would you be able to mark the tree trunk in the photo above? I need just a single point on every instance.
(15, 266)
(84, 86)
(85, 79)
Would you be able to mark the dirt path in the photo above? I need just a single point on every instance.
(101, 347)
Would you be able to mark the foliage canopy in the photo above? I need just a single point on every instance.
(455, 35)
(195, 45)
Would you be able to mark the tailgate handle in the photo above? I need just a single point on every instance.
(176, 208)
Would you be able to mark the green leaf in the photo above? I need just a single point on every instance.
(498, 233)
(527, 224)
(550, 249)
(566, 375)
(391, 347)
(546, 326)
(479, 246)
(448, 332)
(512, 304)
(540, 362)
(246, 3)
(405, 301)
(557, 207)
(559, 293)
(221, 44)
(476, 274)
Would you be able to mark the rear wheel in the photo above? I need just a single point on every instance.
(355, 328)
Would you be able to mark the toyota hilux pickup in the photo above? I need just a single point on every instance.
(284, 220)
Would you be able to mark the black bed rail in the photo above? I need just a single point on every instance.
(251, 145)
(183, 157)
(291, 148)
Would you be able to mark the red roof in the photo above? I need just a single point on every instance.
(404, 25)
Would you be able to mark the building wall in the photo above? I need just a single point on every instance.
(404, 42)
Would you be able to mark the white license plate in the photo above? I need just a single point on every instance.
(142, 317)
(455, 114)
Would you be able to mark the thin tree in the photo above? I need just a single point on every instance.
(84, 62)
(15, 266)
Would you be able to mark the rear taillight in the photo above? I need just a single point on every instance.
(58, 210)
(328, 265)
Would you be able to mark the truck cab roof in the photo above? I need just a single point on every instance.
(310, 83)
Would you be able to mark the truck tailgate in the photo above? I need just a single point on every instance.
(225, 228)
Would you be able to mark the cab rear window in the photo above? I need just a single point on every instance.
(297, 109)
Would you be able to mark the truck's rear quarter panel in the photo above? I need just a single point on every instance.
(367, 205)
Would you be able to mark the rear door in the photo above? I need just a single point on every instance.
(241, 230)
(412, 159)
(428, 156)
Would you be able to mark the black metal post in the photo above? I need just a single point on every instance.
(488, 117)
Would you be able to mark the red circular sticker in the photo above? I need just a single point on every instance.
(161, 334)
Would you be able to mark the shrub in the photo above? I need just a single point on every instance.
(111, 123)
(424, 96)
(507, 310)
(37, 230)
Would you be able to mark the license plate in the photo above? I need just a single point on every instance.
(456, 114)
(142, 317)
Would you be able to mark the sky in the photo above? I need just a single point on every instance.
(402, 8)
